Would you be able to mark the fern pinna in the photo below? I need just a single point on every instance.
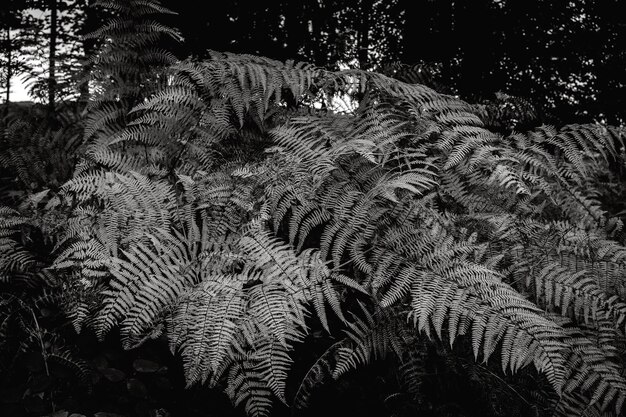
(243, 204)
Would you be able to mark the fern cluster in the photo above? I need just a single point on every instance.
(406, 202)
(241, 205)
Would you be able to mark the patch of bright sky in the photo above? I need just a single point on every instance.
(19, 90)
(19, 85)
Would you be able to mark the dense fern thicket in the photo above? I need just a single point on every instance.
(281, 226)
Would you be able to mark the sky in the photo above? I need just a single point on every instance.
(18, 90)
(18, 85)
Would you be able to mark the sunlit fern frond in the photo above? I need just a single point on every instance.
(246, 386)
(150, 278)
(235, 206)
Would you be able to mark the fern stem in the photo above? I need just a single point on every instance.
(44, 355)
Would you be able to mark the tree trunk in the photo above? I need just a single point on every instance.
(294, 30)
(9, 67)
(317, 20)
(418, 35)
(52, 57)
(90, 24)
(364, 36)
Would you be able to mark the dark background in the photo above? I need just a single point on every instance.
(567, 57)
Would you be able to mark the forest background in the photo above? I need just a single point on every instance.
(566, 57)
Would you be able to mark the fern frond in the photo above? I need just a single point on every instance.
(205, 323)
(245, 385)
(147, 282)
(318, 373)
(372, 338)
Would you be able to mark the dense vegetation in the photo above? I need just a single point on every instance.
(304, 240)
(566, 56)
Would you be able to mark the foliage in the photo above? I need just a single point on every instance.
(15, 27)
(566, 56)
(247, 210)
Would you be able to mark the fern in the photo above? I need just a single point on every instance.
(236, 210)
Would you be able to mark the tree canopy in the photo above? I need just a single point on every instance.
(566, 56)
